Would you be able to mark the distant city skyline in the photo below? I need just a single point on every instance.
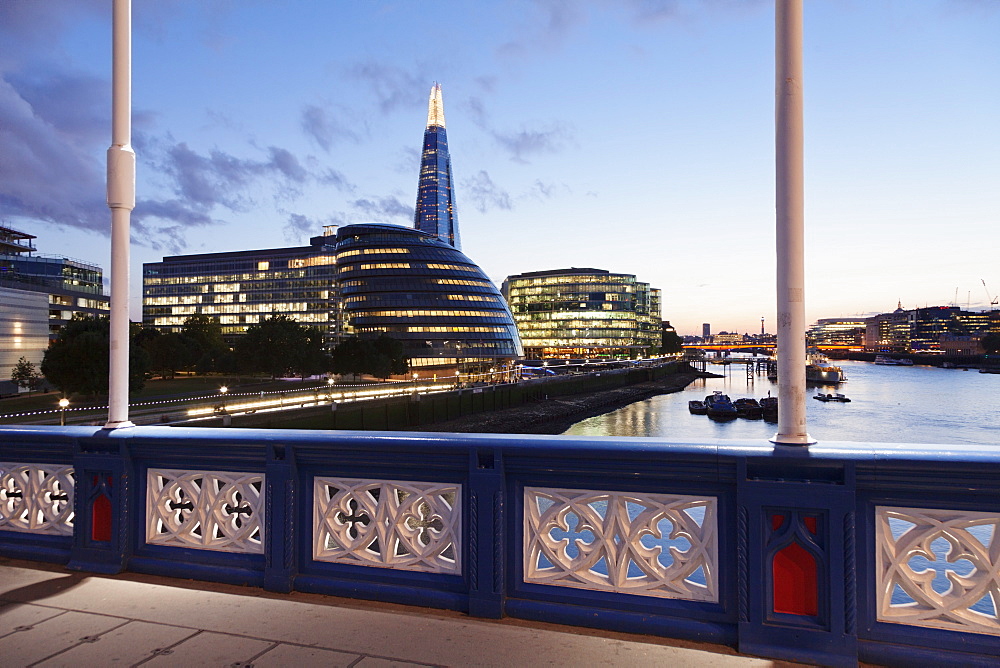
(633, 136)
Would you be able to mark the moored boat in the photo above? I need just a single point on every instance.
(824, 374)
(818, 370)
(697, 407)
(720, 406)
(838, 397)
(885, 360)
(749, 409)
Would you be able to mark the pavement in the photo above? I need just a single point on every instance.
(50, 616)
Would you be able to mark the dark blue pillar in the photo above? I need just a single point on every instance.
(103, 505)
(796, 559)
(281, 494)
(485, 535)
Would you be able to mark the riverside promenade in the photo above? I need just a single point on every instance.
(50, 616)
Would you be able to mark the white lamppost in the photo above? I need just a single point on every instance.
(63, 403)
(789, 223)
(121, 201)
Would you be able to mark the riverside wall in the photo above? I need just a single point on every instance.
(535, 406)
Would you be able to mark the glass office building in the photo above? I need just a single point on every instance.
(241, 288)
(588, 313)
(435, 210)
(38, 295)
(72, 287)
(419, 289)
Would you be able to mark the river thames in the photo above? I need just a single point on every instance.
(889, 404)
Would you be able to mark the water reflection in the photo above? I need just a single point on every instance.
(888, 404)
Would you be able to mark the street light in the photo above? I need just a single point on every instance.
(226, 418)
(63, 403)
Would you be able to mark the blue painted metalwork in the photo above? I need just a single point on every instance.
(840, 484)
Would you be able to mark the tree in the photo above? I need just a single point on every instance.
(279, 346)
(170, 353)
(312, 358)
(991, 343)
(381, 357)
(205, 330)
(350, 356)
(671, 343)
(24, 374)
(213, 353)
(389, 358)
(78, 360)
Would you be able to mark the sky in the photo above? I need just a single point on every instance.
(635, 136)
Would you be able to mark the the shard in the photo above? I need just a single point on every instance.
(435, 211)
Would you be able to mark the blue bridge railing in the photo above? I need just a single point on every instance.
(840, 552)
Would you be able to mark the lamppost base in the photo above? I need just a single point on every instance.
(793, 439)
(119, 425)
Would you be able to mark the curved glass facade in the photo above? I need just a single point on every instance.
(584, 313)
(427, 294)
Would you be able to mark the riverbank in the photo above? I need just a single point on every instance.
(555, 415)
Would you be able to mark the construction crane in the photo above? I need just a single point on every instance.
(993, 300)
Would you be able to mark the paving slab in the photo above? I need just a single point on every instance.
(210, 649)
(52, 636)
(284, 655)
(131, 615)
(124, 646)
(371, 662)
(17, 617)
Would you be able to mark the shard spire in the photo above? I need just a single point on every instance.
(435, 107)
(435, 210)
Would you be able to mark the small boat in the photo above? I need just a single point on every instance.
(749, 409)
(885, 360)
(697, 407)
(838, 397)
(720, 406)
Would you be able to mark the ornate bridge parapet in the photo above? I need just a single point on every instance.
(882, 553)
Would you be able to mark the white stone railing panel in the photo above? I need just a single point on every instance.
(208, 510)
(938, 568)
(37, 498)
(414, 526)
(660, 545)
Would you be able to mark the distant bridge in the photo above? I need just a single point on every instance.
(765, 348)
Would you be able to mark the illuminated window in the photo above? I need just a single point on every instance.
(263, 265)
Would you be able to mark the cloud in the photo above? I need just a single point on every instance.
(219, 178)
(526, 142)
(172, 209)
(548, 24)
(286, 163)
(484, 193)
(382, 209)
(551, 24)
(298, 226)
(394, 88)
(326, 129)
(20, 21)
(543, 191)
(48, 172)
(476, 110)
